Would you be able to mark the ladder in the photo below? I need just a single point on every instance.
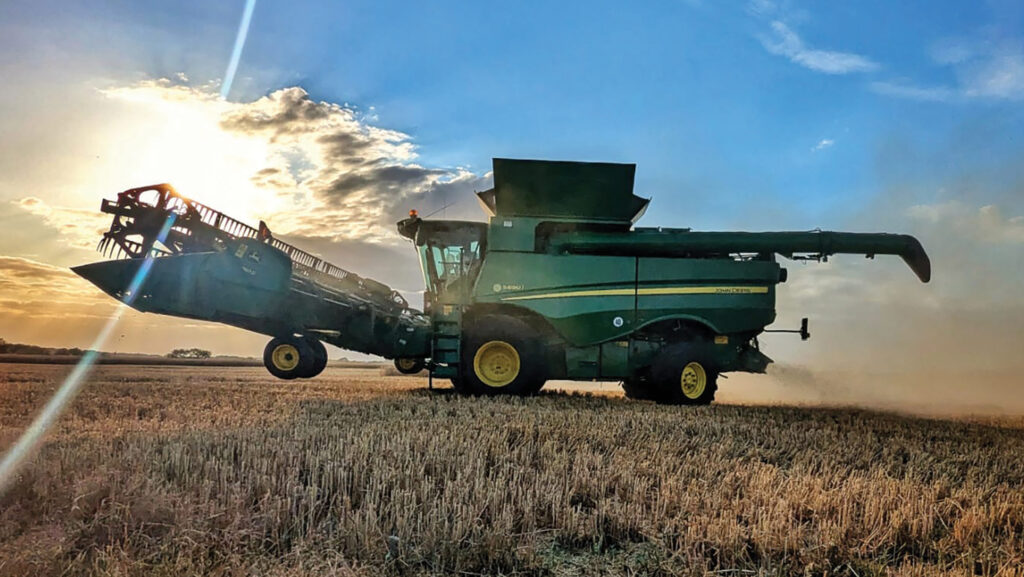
(446, 341)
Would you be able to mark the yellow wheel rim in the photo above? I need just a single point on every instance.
(285, 357)
(496, 363)
(406, 364)
(693, 380)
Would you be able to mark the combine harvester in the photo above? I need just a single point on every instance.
(558, 284)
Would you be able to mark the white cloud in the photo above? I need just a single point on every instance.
(823, 144)
(1000, 75)
(31, 289)
(785, 42)
(81, 228)
(307, 167)
(983, 71)
(761, 8)
(903, 89)
(986, 224)
(952, 51)
(352, 178)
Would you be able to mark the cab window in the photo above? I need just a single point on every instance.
(451, 257)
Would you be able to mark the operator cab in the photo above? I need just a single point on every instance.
(451, 252)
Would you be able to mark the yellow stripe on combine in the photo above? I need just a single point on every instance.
(683, 290)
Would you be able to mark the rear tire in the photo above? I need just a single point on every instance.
(289, 357)
(502, 355)
(684, 375)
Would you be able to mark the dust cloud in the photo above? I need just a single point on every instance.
(926, 354)
(989, 393)
(880, 339)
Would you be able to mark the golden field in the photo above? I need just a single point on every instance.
(227, 471)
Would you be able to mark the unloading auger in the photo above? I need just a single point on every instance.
(558, 284)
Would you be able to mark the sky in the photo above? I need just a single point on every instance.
(749, 114)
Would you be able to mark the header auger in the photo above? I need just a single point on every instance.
(558, 284)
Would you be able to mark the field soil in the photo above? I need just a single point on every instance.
(228, 471)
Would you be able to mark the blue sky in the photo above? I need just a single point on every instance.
(755, 114)
(687, 90)
(692, 91)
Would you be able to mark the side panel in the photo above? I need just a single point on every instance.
(588, 299)
(731, 296)
(615, 360)
(609, 360)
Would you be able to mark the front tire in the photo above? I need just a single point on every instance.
(289, 357)
(409, 365)
(502, 355)
(319, 359)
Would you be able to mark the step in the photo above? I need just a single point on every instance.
(448, 357)
(443, 343)
(446, 372)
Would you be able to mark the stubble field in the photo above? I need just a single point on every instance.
(196, 471)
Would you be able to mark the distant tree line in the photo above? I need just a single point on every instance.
(20, 349)
(189, 354)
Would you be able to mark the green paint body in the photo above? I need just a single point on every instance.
(561, 251)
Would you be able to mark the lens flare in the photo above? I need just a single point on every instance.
(236, 54)
(33, 436)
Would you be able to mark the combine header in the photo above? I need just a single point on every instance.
(212, 267)
(558, 284)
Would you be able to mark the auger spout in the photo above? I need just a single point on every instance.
(684, 243)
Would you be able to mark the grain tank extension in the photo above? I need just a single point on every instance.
(557, 284)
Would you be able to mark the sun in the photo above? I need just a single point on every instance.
(173, 134)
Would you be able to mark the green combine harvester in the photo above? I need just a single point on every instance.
(558, 284)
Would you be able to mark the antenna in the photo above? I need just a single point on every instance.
(442, 208)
